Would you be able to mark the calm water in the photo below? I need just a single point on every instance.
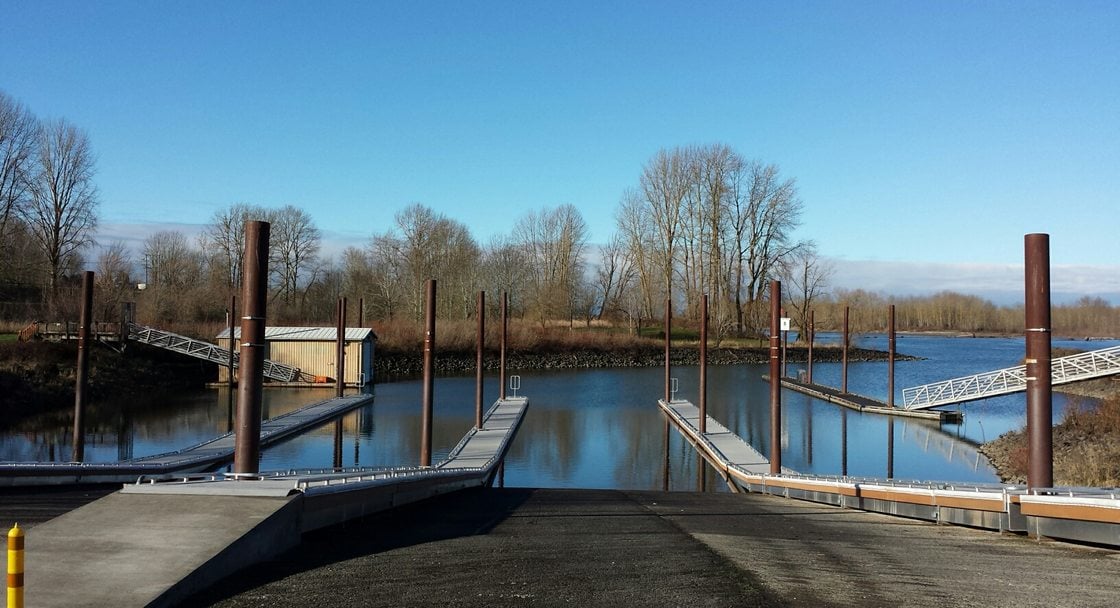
(602, 428)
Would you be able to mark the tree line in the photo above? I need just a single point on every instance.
(699, 220)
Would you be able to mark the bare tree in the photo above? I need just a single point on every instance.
(665, 184)
(764, 212)
(553, 242)
(806, 278)
(224, 239)
(294, 245)
(63, 204)
(113, 279)
(614, 276)
(19, 136)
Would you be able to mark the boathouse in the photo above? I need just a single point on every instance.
(312, 350)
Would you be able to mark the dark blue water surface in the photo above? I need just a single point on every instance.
(602, 428)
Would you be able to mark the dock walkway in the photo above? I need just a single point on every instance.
(154, 544)
(861, 403)
(722, 449)
(201, 457)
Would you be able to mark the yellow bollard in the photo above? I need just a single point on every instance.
(15, 567)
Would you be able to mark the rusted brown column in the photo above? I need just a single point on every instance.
(478, 360)
(775, 380)
(85, 341)
(785, 345)
(704, 364)
(668, 345)
(502, 354)
(229, 352)
(844, 359)
(811, 331)
(890, 356)
(230, 368)
(429, 382)
(340, 349)
(254, 298)
(1040, 459)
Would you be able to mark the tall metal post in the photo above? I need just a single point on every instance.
(340, 370)
(254, 298)
(785, 345)
(844, 359)
(812, 334)
(229, 368)
(85, 340)
(502, 346)
(1040, 458)
(668, 333)
(704, 365)
(229, 352)
(340, 349)
(775, 379)
(429, 385)
(478, 360)
(890, 356)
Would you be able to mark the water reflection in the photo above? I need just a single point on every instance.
(593, 428)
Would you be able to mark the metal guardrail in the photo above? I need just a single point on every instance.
(1072, 368)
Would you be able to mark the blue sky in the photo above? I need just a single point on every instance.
(920, 133)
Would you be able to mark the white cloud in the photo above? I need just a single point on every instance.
(1001, 283)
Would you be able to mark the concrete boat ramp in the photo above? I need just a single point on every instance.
(158, 541)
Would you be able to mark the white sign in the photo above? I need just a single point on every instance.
(785, 323)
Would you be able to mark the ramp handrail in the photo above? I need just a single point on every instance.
(205, 350)
(1072, 368)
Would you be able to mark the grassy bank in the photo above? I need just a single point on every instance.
(1086, 444)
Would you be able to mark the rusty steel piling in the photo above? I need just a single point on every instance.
(775, 380)
(478, 375)
(703, 365)
(254, 296)
(891, 337)
(340, 349)
(81, 382)
(668, 346)
(844, 355)
(1040, 459)
(812, 330)
(502, 346)
(429, 370)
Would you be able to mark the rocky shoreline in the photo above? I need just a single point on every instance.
(394, 365)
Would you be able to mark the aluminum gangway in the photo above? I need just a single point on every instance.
(209, 352)
(1064, 370)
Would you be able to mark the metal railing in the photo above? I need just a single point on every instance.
(207, 351)
(1072, 368)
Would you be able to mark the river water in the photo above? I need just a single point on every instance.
(601, 428)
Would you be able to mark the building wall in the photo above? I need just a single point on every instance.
(316, 358)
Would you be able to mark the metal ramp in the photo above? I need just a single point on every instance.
(209, 352)
(1064, 370)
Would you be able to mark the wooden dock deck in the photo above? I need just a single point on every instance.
(861, 403)
(201, 457)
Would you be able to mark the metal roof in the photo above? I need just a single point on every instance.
(306, 334)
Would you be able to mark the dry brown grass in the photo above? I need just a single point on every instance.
(461, 335)
(1087, 445)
